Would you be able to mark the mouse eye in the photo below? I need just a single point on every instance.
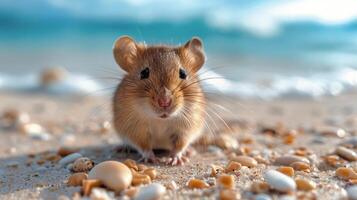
(144, 74)
(183, 74)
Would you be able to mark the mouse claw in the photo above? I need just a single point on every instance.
(147, 157)
(177, 160)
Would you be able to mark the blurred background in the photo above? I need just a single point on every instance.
(260, 48)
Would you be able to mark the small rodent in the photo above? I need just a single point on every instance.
(159, 104)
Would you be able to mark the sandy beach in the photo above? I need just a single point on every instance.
(260, 127)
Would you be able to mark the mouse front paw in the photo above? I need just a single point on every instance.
(148, 156)
(177, 159)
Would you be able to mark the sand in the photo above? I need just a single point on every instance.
(76, 122)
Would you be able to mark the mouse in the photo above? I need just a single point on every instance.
(159, 102)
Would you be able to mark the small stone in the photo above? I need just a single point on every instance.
(153, 191)
(140, 179)
(225, 141)
(352, 192)
(347, 154)
(89, 184)
(226, 181)
(130, 192)
(245, 161)
(262, 197)
(82, 164)
(69, 159)
(346, 173)
(216, 170)
(197, 184)
(77, 179)
(35, 131)
(289, 171)
(305, 185)
(171, 185)
(301, 166)
(141, 167)
(101, 194)
(233, 166)
(151, 172)
(259, 187)
(288, 160)
(131, 164)
(50, 76)
(65, 151)
(229, 194)
(279, 181)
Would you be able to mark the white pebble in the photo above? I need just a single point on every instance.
(262, 197)
(347, 154)
(69, 159)
(101, 194)
(280, 181)
(151, 192)
(352, 192)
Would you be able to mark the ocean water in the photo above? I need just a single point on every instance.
(255, 50)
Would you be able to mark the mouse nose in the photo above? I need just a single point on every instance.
(164, 102)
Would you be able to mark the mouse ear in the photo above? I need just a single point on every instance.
(192, 54)
(126, 53)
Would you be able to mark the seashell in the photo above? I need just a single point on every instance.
(113, 174)
(82, 164)
(279, 181)
(153, 191)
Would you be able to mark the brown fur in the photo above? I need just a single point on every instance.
(136, 113)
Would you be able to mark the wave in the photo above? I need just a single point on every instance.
(323, 84)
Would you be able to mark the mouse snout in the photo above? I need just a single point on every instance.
(164, 102)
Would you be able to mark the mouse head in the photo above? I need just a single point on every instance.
(162, 80)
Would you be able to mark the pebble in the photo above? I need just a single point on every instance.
(245, 161)
(304, 184)
(69, 159)
(262, 197)
(216, 170)
(229, 194)
(347, 154)
(259, 187)
(82, 164)
(35, 131)
(352, 192)
(197, 184)
(151, 172)
(153, 191)
(101, 194)
(233, 166)
(225, 141)
(346, 173)
(280, 181)
(113, 174)
(140, 179)
(301, 166)
(88, 185)
(288, 160)
(77, 179)
(226, 181)
(289, 171)
(52, 75)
